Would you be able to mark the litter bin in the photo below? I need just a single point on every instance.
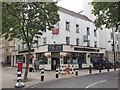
(30, 69)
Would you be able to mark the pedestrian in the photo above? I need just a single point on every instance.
(35, 65)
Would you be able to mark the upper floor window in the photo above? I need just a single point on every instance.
(22, 46)
(18, 47)
(37, 42)
(95, 33)
(67, 26)
(77, 28)
(88, 31)
(44, 40)
(77, 41)
(111, 35)
(95, 43)
(67, 40)
(88, 43)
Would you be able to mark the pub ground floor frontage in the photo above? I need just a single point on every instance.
(51, 56)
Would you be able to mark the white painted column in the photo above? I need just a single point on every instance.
(15, 64)
(34, 57)
(88, 58)
(12, 61)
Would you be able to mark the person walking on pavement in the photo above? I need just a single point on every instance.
(35, 65)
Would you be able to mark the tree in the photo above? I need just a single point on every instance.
(107, 14)
(27, 21)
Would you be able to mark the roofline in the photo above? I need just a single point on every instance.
(72, 13)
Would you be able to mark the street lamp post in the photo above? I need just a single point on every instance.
(114, 49)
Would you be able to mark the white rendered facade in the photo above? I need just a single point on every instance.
(60, 39)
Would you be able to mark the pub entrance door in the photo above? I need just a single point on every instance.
(55, 63)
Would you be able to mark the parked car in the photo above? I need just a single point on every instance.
(102, 63)
(117, 63)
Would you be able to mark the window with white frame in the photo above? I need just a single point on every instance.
(37, 42)
(95, 43)
(95, 33)
(44, 40)
(67, 40)
(18, 47)
(88, 31)
(22, 45)
(67, 26)
(77, 28)
(88, 43)
(77, 41)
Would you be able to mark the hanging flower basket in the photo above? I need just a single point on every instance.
(68, 54)
(43, 55)
(61, 56)
(49, 56)
(31, 57)
(89, 55)
(105, 57)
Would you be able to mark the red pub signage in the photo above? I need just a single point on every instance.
(55, 31)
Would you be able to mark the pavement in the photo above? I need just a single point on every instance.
(103, 80)
(9, 76)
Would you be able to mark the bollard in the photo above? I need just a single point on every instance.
(114, 67)
(19, 83)
(57, 73)
(62, 70)
(42, 74)
(90, 69)
(100, 68)
(108, 69)
(76, 72)
(72, 69)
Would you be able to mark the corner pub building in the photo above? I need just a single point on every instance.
(74, 42)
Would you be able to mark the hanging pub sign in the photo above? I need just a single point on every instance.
(85, 38)
(56, 29)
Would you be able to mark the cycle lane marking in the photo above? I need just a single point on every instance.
(95, 83)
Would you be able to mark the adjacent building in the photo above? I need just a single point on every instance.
(6, 49)
(74, 41)
(106, 36)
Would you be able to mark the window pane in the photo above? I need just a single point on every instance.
(77, 41)
(41, 58)
(77, 28)
(95, 33)
(88, 31)
(67, 40)
(44, 40)
(67, 26)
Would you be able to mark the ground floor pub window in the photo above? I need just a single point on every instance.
(82, 58)
(20, 58)
(29, 59)
(67, 60)
(75, 58)
(95, 56)
(41, 58)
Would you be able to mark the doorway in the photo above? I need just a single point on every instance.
(55, 63)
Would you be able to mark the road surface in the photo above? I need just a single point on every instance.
(103, 80)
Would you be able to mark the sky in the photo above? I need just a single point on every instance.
(73, 5)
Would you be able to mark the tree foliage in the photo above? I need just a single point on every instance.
(107, 13)
(27, 21)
